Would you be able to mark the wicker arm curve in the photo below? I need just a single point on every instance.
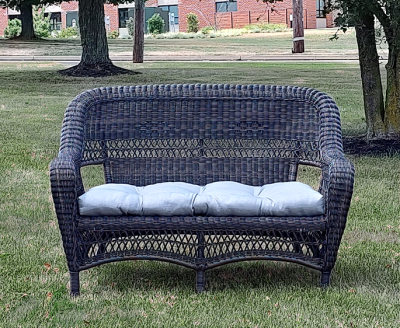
(337, 186)
(66, 185)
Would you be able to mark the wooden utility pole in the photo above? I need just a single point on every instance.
(138, 39)
(298, 28)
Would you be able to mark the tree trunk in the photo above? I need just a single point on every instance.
(138, 40)
(370, 76)
(93, 33)
(392, 108)
(27, 32)
(298, 28)
(95, 60)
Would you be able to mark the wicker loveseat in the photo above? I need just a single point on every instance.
(200, 134)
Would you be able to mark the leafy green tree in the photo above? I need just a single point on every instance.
(95, 59)
(382, 115)
(26, 9)
(41, 24)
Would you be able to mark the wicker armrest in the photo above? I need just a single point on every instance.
(64, 170)
(337, 187)
(66, 185)
(65, 179)
(337, 183)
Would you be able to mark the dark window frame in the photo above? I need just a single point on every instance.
(121, 20)
(225, 6)
(55, 21)
(321, 12)
(168, 8)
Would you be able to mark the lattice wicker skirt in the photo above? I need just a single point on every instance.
(181, 241)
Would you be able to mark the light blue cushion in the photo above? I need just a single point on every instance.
(224, 198)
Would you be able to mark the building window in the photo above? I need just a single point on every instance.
(321, 9)
(124, 14)
(11, 17)
(55, 21)
(225, 6)
(72, 19)
(172, 10)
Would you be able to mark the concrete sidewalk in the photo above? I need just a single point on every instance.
(257, 58)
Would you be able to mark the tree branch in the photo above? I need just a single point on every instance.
(377, 10)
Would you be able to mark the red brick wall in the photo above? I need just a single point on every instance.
(112, 11)
(204, 9)
(151, 3)
(3, 20)
(67, 6)
(329, 20)
(273, 13)
(311, 7)
(109, 10)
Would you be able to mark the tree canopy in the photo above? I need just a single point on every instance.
(26, 9)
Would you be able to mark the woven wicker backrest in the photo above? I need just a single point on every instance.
(196, 133)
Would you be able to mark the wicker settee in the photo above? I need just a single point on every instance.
(199, 134)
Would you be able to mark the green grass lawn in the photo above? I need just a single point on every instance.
(317, 41)
(34, 280)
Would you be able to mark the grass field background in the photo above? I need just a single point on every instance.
(317, 42)
(34, 277)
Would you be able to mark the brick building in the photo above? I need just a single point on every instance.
(220, 13)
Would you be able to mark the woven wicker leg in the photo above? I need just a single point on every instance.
(200, 281)
(325, 276)
(74, 282)
(200, 278)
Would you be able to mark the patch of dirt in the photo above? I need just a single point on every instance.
(299, 81)
(46, 65)
(361, 146)
(327, 31)
(96, 70)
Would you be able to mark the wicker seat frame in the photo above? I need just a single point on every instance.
(252, 134)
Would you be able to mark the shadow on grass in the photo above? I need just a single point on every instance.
(147, 275)
(360, 146)
(357, 266)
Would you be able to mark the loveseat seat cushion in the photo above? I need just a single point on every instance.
(224, 198)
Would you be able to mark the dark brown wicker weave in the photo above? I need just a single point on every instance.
(253, 134)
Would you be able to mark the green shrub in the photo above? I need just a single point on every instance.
(207, 29)
(42, 29)
(13, 29)
(192, 23)
(113, 35)
(41, 24)
(265, 27)
(155, 24)
(69, 32)
(174, 36)
(130, 25)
